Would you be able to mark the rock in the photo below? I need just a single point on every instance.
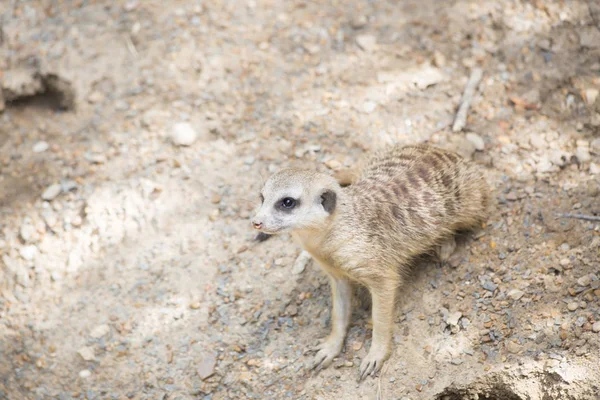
(572, 306)
(439, 60)
(559, 158)
(40, 147)
(584, 281)
(590, 95)
(367, 43)
(95, 97)
(206, 366)
(583, 154)
(513, 347)
(195, 305)
(544, 165)
(516, 294)
(595, 145)
(183, 134)
(95, 158)
(490, 286)
(85, 373)
(87, 353)
(29, 252)
(594, 169)
(358, 22)
(476, 140)
(301, 263)
(51, 192)
(28, 232)
(596, 327)
(453, 318)
(538, 141)
(100, 331)
(369, 107)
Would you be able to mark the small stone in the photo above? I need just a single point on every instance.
(595, 144)
(453, 318)
(594, 169)
(28, 232)
(95, 158)
(333, 164)
(572, 306)
(242, 249)
(490, 286)
(367, 43)
(206, 366)
(369, 107)
(183, 134)
(215, 199)
(516, 294)
(29, 252)
(292, 310)
(195, 305)
(565, 262)
(513, 347)
(357, 346)
(584, 281)
(590, 95)
(95, 97)
(583, 154)
(40, 147)
(596, 327)
(476, 140)
(85, 373)
(439, 60)
(87, 353)
(301, 263)
(538, 141)
(51, 192)
(358, 22)
(100, 331)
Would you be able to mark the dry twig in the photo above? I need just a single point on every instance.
(465, 103)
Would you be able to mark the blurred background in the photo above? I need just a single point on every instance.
(134, 136)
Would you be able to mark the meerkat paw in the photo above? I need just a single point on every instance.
(372, 362)
(327, 350)
(446, 250)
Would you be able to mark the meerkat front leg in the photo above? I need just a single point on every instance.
(341, 300)
(384, 299)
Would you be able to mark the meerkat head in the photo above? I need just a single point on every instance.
(296, 200)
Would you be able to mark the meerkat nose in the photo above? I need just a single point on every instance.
(257, 225)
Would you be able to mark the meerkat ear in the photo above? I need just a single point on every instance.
(328, 200)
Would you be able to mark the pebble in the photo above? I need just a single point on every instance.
(195, 305)
(85, 373)
(40, 147)
(453, 318)
(516, 294)
(28, 232)
(367, 43)
(29, 252)
(595, 144)
(183, 134)
(476, 140)
(538, 141)
(596, 327)
(51, 192)
(489, 286)
(594, 169)
(513, 347)
(583, 154)
(301, 263)
(590, 96)
(87, 353)
(572, 306)
(358, 22)
(206, 366)
(584, 281)
(100, 331)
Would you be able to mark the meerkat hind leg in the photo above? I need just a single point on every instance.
(341, 299)
(446, 249)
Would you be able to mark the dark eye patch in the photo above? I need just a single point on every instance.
(287, 204)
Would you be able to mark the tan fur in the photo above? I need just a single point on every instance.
(405, 202)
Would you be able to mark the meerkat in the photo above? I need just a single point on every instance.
(406, 201)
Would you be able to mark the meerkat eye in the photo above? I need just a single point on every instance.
(288, 203)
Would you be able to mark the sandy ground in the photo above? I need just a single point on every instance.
(127, 262)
